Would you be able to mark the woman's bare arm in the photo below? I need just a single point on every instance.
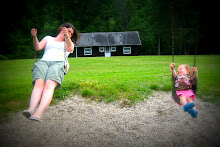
(37, 45)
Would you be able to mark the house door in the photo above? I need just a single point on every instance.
(107, 51)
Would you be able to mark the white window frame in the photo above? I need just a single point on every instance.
(86, 53)
(113, 48)
(101, 49)
(126, 51)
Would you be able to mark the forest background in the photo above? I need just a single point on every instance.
(150, 17)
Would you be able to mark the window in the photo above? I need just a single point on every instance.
(113, 49)
(101, 49)
(87, 51)
(127, 50)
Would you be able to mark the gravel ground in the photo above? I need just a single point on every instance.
(80, 122)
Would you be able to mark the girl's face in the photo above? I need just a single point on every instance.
(182, 70)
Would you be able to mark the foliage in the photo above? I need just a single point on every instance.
(150, 17)
(3, 57)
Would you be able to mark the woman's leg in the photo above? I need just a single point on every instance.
(36, 94)
(47, 96)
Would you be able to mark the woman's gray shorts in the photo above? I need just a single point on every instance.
(49, 70)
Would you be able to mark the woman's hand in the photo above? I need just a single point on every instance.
(65, 31)
(38, 45)
(34, 32)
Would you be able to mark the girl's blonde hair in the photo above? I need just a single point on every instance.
(188, 68)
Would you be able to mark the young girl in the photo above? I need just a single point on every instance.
(183, 85)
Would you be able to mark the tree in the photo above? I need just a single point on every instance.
(150, 17)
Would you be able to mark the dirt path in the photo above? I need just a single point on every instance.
(78, 122)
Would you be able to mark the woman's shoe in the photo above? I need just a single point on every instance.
(27, 113)
(35, 118)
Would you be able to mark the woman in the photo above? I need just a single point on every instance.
(48, 73)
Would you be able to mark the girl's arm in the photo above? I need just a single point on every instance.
(173, 71)
(37, 45)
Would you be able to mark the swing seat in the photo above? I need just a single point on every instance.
(194, 85)
(174, 95)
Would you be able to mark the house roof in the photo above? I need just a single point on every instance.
(109, 39)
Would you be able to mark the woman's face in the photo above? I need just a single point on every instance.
(70, 32)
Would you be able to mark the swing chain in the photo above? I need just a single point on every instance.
(63, 11)
(65, 56)
(172, 32)
(35, 52)
(197, 40)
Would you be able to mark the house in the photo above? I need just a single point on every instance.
(108, 44)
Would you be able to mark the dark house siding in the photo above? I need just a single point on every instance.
(118, 52)
(95, 52)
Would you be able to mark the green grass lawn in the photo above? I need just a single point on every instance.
(129, 79)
